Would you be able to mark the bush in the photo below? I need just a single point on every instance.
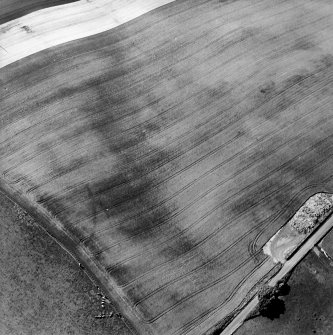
(312, 212)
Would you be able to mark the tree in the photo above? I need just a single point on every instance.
(270, 305)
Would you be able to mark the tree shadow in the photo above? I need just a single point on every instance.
(273, 309)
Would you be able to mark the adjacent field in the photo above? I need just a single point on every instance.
(43, 290)
(171, 148)
(13, 9)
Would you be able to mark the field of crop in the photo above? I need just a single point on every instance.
(171, 148)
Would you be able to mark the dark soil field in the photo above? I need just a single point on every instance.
(309, 306)
(165, 152)
(13, 9)
(42, 289)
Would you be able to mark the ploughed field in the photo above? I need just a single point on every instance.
(171, 148)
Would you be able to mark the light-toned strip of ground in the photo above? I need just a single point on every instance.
(53, 26)
(287, 267)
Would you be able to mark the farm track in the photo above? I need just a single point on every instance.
(170, 159)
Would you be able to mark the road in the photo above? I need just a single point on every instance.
(287, 267)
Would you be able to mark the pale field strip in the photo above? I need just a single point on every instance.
(49, 27)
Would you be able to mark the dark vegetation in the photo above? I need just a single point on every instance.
(313, 212)
(270, 305)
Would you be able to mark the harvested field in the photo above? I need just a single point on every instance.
(167, 151)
